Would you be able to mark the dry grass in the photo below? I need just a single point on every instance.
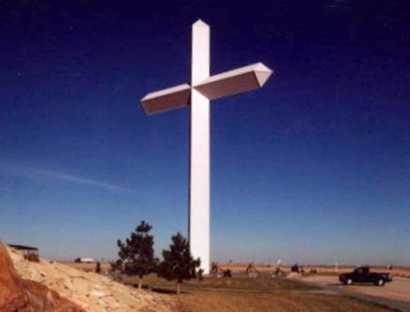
(280, 302)
(402, 271)
(241, 294)
(241, 267)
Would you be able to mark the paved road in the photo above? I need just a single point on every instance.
(396, 294)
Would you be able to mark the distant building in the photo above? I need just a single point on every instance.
(29, 252)
(24, 248)
(84, 260)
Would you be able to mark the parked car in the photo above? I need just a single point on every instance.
(363, 275)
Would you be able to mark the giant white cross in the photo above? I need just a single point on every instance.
(197, 96)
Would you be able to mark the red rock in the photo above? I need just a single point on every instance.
(18, 295)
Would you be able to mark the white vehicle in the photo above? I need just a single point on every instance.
(84, 260)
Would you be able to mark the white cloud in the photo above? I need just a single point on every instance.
(35, 173)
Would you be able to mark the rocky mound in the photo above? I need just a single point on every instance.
(19, 295)
(92, 292)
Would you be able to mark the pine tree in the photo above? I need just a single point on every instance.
(178, 264)
(137, 253)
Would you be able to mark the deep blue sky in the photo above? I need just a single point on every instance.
(315, 167)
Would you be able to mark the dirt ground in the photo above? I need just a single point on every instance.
(398, 290)
(264, 293)
(226, 298)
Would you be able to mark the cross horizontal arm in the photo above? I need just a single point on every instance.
(234, 81)
(166, 99)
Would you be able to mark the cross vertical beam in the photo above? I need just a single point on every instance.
(199, 180)
(196, 97)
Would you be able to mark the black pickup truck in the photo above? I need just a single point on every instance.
(363, 275)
